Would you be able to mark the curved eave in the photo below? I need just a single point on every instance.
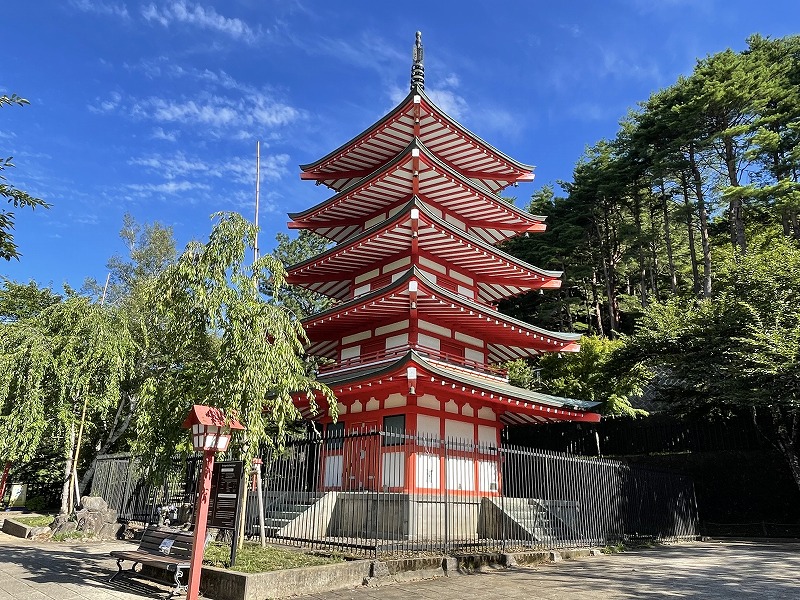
(507, 338)
(491, 218)
(460, 147)
(499, 274)
(514, 405)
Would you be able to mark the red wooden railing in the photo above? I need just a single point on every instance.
(388, 354)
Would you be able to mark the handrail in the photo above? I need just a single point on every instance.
(397, 352)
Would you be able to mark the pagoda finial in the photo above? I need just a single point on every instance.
(417, 68)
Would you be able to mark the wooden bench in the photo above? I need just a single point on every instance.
(161, 548)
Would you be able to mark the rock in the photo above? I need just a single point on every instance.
(90, 522)
(41, 533)
(58, 521)
(93, 503)
(109, 531)
(110, 515)
(555, 556)
(65, 528)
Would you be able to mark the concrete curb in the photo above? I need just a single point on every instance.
(15, 528)
(221, 584)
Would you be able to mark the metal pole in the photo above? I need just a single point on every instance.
(260, 491)
(201, 515)
(258, 194)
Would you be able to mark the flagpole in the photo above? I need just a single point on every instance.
(258, 193)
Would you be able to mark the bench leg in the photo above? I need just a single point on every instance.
(120, 569)
(180, 588)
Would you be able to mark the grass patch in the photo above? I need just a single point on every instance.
(69, 535)
(34, 521)
(252, 558)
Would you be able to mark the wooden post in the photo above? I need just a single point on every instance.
(4, 479)
(201, 516)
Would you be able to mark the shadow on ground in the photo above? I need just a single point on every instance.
(84, 565)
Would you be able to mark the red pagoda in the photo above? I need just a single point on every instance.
(415, 337)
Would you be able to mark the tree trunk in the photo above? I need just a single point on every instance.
(637, 220)
(598, 312)
(785, 424)
(116, 431)
(673, 278)
(689, 224)
(66, 489)
(654, 264)
(703, 214)
(735, 207)
(610, 296)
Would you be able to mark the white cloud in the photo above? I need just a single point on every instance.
(109, 9)
(168, 136)
(108, 105)
(195, 15)
(220, 115)
(89, 219)
(169, 187)
(240, 170)
(367, 50)
(450, 102)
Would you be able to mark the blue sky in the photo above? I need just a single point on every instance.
(154, 107)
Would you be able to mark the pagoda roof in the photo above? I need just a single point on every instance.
(516, 405)
(507, 338)
(486, 214)
(499, 275)
(448, 139)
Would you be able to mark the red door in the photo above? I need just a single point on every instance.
(361, 457)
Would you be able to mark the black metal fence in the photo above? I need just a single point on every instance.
(385, 493)
(625, 436)
(120, 480)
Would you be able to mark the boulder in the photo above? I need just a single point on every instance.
(109, 531)
(65, 528)
(110, 515)
(41, 533)
(89, 521)
(93, 503)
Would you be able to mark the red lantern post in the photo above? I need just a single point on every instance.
(211, 433)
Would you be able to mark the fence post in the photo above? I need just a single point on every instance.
(446, 501)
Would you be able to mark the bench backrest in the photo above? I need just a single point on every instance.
(166, 541)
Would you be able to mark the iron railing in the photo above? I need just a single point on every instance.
(119, 480)
(382, 493)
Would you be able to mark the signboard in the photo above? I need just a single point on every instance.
(224, 500)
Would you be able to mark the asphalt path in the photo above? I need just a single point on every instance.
(707, 570)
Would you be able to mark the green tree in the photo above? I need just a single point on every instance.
(14, 196)
(22, 301)
(247, 351)
(591, 374)
(71, 358)
(151, 249)
(738, 351)
(291, 251)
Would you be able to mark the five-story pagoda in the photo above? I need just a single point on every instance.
(415, 336)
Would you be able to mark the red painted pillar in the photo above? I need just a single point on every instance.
(4, 479)
(201, 516)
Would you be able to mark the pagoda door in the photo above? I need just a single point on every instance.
(361, 457)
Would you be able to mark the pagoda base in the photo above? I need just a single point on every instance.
(369, 518)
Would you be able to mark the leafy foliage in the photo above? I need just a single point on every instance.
(70, 352)
(244, 354)
(14, 196)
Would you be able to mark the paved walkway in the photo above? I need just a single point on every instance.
(66, 570)
(714, 571)
(708, 571)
